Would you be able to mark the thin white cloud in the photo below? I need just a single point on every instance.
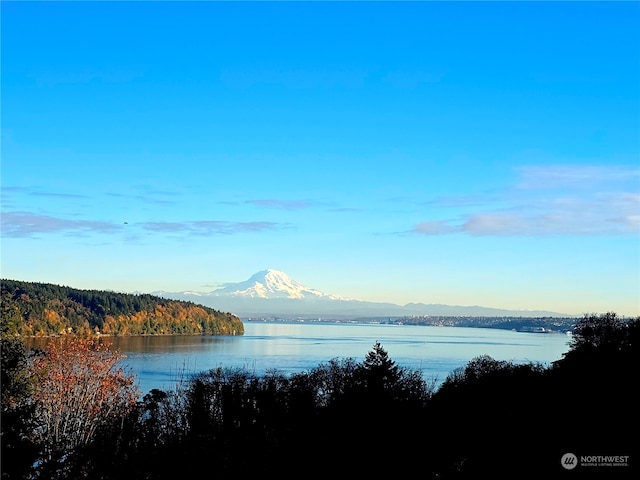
(463, 200)
(550, 223)
(211, 227)
(6, 190)
(410, 80)
(53, 79)
(27, 224)
(58, 195)
(151, 197)
(535, 208)
(165, 227)
(575, 176)
(435, 227)
(303, 78)
(282, 204)
(34, 191)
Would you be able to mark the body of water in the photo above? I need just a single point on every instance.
(160, 362)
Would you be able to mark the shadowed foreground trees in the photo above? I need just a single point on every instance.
(18, 420)
(492, 418)
(66, 394)
(498, 418)
(248, 425)
(598, 377)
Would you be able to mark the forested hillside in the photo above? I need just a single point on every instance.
(29, 308)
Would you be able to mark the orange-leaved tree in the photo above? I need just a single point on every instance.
(80, 387)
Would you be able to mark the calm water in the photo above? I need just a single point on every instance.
(159, 362)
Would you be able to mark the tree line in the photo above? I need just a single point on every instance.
(521, 324)
(43, 309)
(69, 412)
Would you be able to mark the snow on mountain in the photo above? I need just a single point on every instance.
(271, 284)
(272, 292)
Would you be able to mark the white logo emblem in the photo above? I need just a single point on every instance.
(569, 461)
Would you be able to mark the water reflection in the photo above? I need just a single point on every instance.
(160, 362)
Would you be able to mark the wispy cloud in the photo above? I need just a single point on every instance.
(414, 79)
(52, 79)
(281, 204)
(463, 200)
(58, 195)
(27, 224)
(575, 176)
(435, 227)
(34, 191)
(9, 190)
(151, 197)
(211, 227)
(535, 208)
(302, 78)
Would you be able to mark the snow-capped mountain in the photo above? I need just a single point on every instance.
(271, 284)
(274, 293)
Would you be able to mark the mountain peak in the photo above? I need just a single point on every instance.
(269, 283)
(272, 275)
(273, 292)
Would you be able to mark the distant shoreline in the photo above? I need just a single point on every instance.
(564, 325)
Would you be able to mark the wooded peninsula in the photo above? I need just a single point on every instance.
(44, 309)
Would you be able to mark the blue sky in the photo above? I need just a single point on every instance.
(438, 152)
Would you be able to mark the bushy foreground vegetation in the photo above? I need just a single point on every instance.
(44, 309)
(70, 413)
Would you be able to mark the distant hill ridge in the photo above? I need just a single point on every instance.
(274, 293)
(41, 309)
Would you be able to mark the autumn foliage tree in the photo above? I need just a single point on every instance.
(80, 387)
(43, 309)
